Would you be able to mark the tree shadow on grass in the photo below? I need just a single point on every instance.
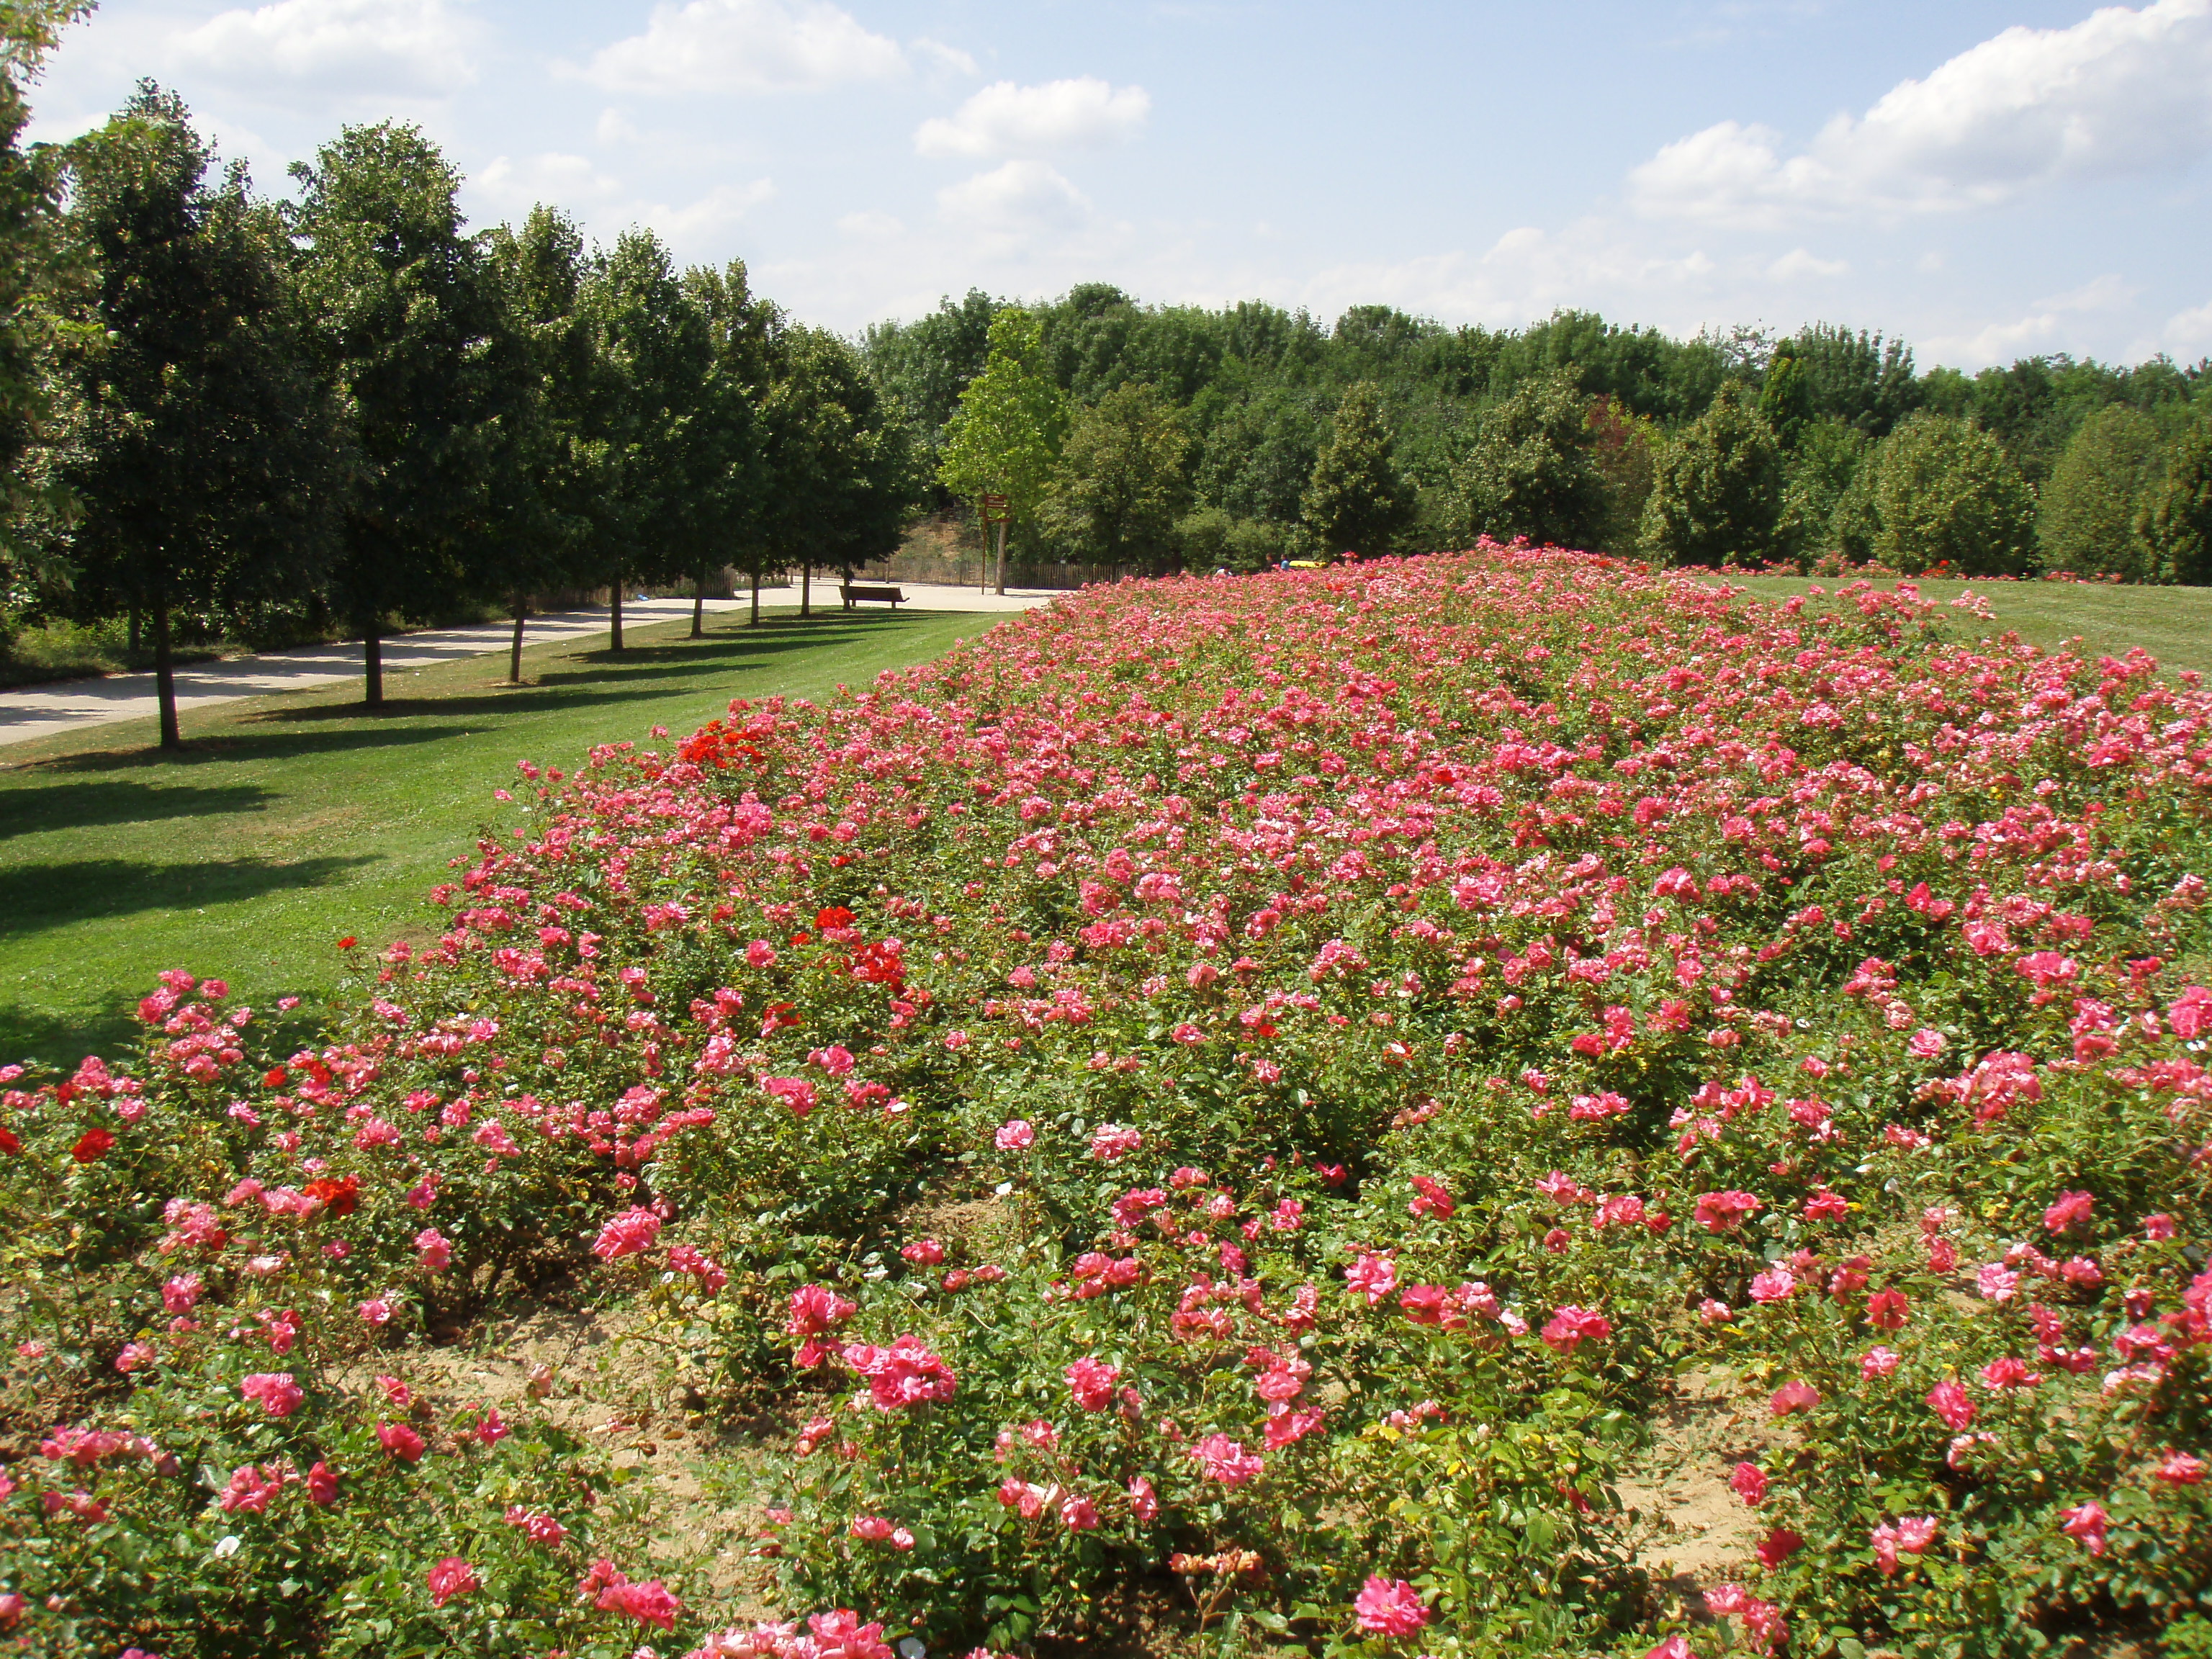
(37, 897)
(38, 1036)
(83, 806)
(243, 745)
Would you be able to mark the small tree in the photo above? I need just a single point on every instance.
(1717, 497)
(2102, 481)
(1357, 500)
(1532, 470)
(200, 447)
(2176, 527)
(1941, 492)
(1816, 474)
(1011, 421)
(1120, 483)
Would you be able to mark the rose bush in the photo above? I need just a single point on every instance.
(1228, 1104)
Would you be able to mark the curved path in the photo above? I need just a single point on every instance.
(37, 711)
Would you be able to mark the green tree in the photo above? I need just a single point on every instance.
(1357, 500)
(729, 459)
(839, 463)
(1011, 421)
(2102, 481)
(200, 447)
(405, 319)
(1531, 471)
(1258, 455)
(1939, 492)
(539, 494)
(654, 353)
(1120, 484)
(1816, 475)
(2177, 525)
(1717, 497)
(31, 324)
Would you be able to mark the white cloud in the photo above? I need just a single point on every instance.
(617, 128)
(949, 58)
(2122, 91)
(420, 47)
(565, 181)
(718, 210)
(2041, 325)
(747, 45)
(1803, 262)
(1022, 194)
(2190, 331)
(1003, 118)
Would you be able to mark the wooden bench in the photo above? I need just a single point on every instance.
(852, 595)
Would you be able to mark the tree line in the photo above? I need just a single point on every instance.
(1167, 437)
(347, 408)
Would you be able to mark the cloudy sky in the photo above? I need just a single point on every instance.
(1987, 178)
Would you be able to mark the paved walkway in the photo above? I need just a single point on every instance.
(37, 711)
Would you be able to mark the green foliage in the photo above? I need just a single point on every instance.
(406, 319)
(1717, 497)
(201, 448)
(31, 267)
(1011, 421)
(840, 471)
(2102, 483)
(1817, 474)
(1858, 379)
(926, 365)
(1258, 456)
(1530, 471)
(1120, 484)
(1357, 499)
(1940, 497)
(2176, 525)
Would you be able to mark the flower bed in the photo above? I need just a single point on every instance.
(1223, 1106)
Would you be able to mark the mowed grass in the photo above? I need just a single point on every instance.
(2174, 624)
(291, 822)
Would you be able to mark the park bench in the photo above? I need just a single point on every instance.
(853, 595)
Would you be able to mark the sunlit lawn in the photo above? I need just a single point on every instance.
(293, 821)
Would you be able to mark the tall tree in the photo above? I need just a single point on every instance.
(201, 448)
(2086, 517)
(2176, 525)
(1531, 469)
(1717, 495)
(729, 460)
(1012, 421)
(841, 466)
(654, 355)
(1357, 500)
(31, 321)
(1120, 484)
(537, 487)
(406, 319)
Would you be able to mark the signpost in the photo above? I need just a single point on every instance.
(995, 510)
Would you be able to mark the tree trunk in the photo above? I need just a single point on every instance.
(806, 588)
(616, 644)
(699, 603)
(1005, 531)
(514, 653)
(755, 623)
(372, 660)
(165, 678)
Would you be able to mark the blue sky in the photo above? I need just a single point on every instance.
(1986, 180)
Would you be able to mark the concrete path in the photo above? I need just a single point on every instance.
(37, 711)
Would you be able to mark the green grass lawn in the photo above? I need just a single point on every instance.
(293, 821)
(2174, 624)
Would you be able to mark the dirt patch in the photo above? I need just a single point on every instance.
(1692, 1528)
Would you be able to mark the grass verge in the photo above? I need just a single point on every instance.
(295, 820)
